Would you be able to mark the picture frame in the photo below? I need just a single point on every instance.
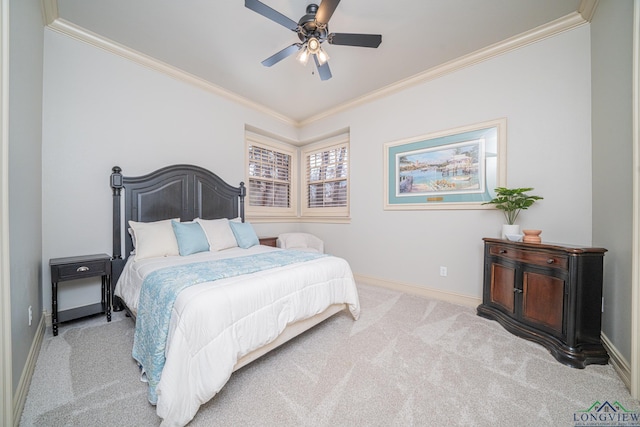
(453, 169)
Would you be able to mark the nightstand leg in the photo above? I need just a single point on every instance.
(102, 298)
(106, 293)
(54, 307)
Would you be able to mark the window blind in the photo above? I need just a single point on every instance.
(269, 177)
(327, 177)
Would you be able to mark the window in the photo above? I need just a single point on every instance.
(271, 177)
(327, 179)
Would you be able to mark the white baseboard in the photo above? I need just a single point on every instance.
(420, 291)
(25, 379)
(618, 361)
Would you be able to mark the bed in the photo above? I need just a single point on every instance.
(203, 310)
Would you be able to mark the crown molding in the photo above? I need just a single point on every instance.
(55, 23)
(542, 32)
(568, 22)
(587, 8)
(50, 11)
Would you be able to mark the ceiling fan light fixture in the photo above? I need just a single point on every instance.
(322, 55)
(313, 44)
(303, 55)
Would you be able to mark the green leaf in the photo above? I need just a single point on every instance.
(512, 200)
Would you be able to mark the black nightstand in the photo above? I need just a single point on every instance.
(80, 267)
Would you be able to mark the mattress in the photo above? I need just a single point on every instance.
(214, 324)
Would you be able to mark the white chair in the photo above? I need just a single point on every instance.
(301, 242)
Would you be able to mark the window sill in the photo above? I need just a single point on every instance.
(326, 219)
(274, 219)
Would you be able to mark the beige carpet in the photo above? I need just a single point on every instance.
(408, 361)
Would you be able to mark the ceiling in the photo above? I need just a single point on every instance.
(220, 44)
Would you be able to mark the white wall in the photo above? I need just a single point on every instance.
(98, 105)
(101, 110)
(613, 167)
(25, 209)
(544, 92)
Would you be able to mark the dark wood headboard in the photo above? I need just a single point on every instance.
(178, 191)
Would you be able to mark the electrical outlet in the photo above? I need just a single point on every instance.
(30, 315)
(443, 271)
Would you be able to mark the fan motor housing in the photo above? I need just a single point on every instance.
(308, 27)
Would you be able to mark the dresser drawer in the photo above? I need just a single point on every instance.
(543, 259)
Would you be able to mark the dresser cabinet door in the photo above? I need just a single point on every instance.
(503, 283)
(543, 301)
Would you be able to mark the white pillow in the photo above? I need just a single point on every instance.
(219, 233)
(154, 239)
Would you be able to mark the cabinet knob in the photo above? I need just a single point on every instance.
(516, 290)
(502, 251)
(81, 269)
(551, 261)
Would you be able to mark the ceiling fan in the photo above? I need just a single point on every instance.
(312, 30)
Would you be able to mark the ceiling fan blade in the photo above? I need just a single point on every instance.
(361, 40)
(326, 9)
(287, 51)
(272, 14)
(323, 70)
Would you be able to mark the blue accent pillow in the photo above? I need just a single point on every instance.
(190, 236)
(245, 235)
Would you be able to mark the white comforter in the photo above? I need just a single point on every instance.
(214, 324)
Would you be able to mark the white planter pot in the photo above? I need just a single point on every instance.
(510, 229)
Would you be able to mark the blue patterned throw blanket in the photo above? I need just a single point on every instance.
(161, 288)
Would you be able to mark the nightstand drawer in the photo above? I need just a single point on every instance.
(79, 270)
(80, 267)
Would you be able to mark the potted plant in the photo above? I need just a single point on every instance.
(511, 201)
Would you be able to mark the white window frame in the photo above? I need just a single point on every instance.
(326, 212)
(255, 213)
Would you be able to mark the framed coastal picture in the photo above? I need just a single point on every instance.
(454, 169)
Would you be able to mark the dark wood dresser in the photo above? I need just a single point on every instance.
(548, 293)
